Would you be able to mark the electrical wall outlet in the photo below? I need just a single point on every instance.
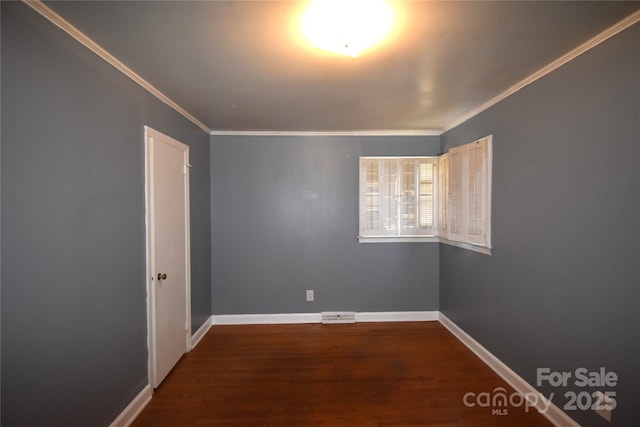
(310, 295)
(604, 405)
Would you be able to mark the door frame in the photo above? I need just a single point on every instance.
(150, 246)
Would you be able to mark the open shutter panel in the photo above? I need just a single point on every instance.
(456, 195)
(477, 157)
(371, 198)
(443, 195)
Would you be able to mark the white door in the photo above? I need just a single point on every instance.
(167, 162)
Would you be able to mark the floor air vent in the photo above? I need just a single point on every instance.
(331, 317)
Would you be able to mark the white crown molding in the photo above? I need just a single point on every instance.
(553, 413)
(133, 409)
(67, 27)
(382, 132)
(569, 56)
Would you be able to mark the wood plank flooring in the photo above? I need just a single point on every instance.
(366, 374)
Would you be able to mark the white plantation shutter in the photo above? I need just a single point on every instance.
(426, 196)
(456, 197)
(477, 187)
(370, 200)
(397, 196)
(448, 197)
(407, 206)
(443, 195)
(469, 201)
(389, 203)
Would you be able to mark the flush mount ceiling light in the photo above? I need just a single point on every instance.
(347, 27)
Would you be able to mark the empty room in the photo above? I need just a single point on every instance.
(320, 213)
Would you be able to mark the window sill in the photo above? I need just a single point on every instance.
(423, 239)
(468, 246)
(398, 239)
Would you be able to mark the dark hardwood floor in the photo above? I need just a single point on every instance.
(365, 374)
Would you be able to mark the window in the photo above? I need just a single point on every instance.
(445, 198)
(465, 194)
(397, 197)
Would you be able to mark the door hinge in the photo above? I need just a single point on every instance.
(187, 167)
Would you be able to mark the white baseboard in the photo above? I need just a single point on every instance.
(134, 408)
(397, 316)
(264, 319)
(553, 413)
(195, 338)
(289, 318)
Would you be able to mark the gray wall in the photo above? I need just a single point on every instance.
(562, 288)
(285, 219)
(74, 338)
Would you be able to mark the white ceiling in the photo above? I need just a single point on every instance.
(242, 66)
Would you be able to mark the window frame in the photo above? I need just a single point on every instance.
(397, 234)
